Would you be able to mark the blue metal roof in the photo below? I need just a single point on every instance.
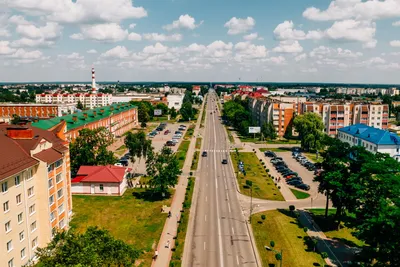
(371, 134)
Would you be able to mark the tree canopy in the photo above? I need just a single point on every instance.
(236, 112)
(90, 148)
(138, 145)
(310, 128)
(187, 111)
(269, 131)
(95, 247)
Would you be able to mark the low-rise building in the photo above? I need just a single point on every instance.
(374, 140)
(175, 101)
(117, 118)
(34, 111)
(35, 195)
(89, 100)
(100, 180)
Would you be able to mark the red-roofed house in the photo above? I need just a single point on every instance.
(100, 180)
(196, 89)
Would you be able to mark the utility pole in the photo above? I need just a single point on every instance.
(250, 184)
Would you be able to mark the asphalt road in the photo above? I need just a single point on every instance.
(219, 235)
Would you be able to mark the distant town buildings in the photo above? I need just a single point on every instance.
(372, 139)
(35, 192)
(196, 89)
(34, 111)
(89, 100)
(365, 91)
(117, 118)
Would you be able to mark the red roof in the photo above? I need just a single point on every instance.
(48, 155)
(196, 87)
(245, 87)
(100, 174)
(262, 91)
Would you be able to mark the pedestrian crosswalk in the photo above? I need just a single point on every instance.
(218, 151)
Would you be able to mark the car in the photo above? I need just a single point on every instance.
(296, 149)
(178, 132)
(294, 179)
(118, 164)
(182, 126)
(278, 158)
(175, 141)
(204, 154)
(269, 154)
(127, 155)
(170, 143)
(181, 129)
(303, 186)
(294, 183)
(124, 162)
(224, 161)
(176, 137)
(167, 132)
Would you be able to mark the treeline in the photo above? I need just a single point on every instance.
(17, 96)
(238, 116)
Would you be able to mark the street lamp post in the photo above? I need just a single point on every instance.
(280, 257)
(250, 184)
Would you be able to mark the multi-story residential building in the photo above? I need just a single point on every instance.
(89, 100)
(374, 140)
(175, 101)
(35, 195)
(30, 110)
(117, 118)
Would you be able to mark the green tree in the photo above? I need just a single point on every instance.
(269, 131)
(188, 96)
(79, 105)
(163, 107)
(173, 112)
(163, 168)
(187, 111)
(310, 128)
(95, 247)
(15, 119)
(90, 148)
(143, 113)
(138, 145)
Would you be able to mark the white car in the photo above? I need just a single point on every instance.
(118, 164)
(176, 137)
(175, 141)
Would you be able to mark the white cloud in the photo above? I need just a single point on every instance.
(395, 43)
(158, 48)
(5, 48)
(323, 52)
(4, 25)
(251, 36)
(72, 57)
(132, 26)
(134, 37)
(26, 42)
(18, 20)
(23, 54)
(288, 46)
(286, 31)
(50, 31)
(300, 57)
(238, 25)
(218, 50)
(276, 60)
(195, 48)
(92, 51)
(156, 37)
(116, 52)
(396, 23)
(310, 70)
(184, 22)
(246, 50)
(374, 60)
(109, 32)
(82, 11)
(355, 9)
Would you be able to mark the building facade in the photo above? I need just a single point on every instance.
(175, 101)
(372, 139)
(31, 111)
(35, 195)
(90, 101)
(117, 118)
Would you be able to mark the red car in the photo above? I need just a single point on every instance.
(167, 132)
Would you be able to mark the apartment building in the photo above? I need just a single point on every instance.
(31, 110)
(117, 118)
(372, 139)
(35, 195)
(89, 100)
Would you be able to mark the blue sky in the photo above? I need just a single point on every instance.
(347, 41)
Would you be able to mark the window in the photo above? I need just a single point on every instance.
(58, 178)
(61, 209)
(29, 174)
(32, 209)
(11, 263)
(23, 253)
(7, 226)
(17, 180)
(50, 168)
(30, 191)
(51, 200)
(21, 236)
(51, 183)
(62, 224)
(34, 243)
(33, 226)
(6, 206)
(52, 216)
(4, 187)
(101, 187)
(59, 193)
(9, 246)
(18, 199)
(59, 163)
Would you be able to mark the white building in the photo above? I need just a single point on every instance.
(175, 101)
(88, 100)
(374, 140)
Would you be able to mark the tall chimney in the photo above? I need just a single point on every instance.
(94, 89)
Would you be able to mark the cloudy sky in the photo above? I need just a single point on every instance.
(349, 41)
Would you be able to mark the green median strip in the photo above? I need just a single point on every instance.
(195, 161)
(263, 186)
(181, 153)
(299, 194)
(176, 259)
(198, 142)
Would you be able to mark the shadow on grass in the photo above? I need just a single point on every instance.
(150, 195)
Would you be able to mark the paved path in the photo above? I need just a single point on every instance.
(171, 224)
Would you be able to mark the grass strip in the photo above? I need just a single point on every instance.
(134, 218)
(276, 149)
(181, 153)
(263, 186)
(198, 142)
(313, 157)
(299, 194)
(189, 132)
(195, 161)
(176, 259)
(282, 227)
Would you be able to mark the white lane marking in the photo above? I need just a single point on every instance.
(227, 197)
(204, 245)
(229, 207)
(233, 231)
(237, 259)
(216, 184)
(206, 198)
(206, 185)
(221, 259)
(205, 217)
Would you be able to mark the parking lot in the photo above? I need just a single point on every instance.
(160, 139)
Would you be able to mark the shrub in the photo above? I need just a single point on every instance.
(292, 208)
(191, 173)
(279, 187)
(324, 255)
(267, 170)
(263, 217)
(305, 229)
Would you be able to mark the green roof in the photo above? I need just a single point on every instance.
(81, 120)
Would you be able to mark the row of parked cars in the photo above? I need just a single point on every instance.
(303, 161)
(290, 176)
(177, 135)
(124, 160)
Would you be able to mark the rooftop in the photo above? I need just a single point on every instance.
(100, 174)
(371, 134)
(92, 115)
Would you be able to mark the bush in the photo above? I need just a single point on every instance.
(263, 217)
(267, 170)
(190, 173)
(279, 187)
(305, 229)
(292, 208)
(324, 255)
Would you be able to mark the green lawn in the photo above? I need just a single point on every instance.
(134, 218)
(327, 225)
(198, 142)
(263, 185)
(195, 162)
(176, 258)
(257, 140)
(181, 153)
(280, 227)
(162, 118)
(121, 150)
(299, 194)
(189, 132)
(230, 136)
(203, 115)
(313, 157)
(276, 149)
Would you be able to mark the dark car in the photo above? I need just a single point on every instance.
(296, 149)
(170, 143)
(178, 132)
(278, 158)
(269, 154)
(294, 179)
(224, 161)
(204, 154)
(303, 186)
(124, 162)
(295, 182)
(167, 132)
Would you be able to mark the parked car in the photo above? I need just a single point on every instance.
(124, 162)
(294, 183)
(118, 164)
(182, 126)
(170, 143)
(303, 186)
(181, 129)
(294, 179)
(269, 154)
(224, 161)
(204, 154)
(175, 141)
(167, 132)
(178, 132)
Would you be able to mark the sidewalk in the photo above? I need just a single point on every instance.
(171, 224)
